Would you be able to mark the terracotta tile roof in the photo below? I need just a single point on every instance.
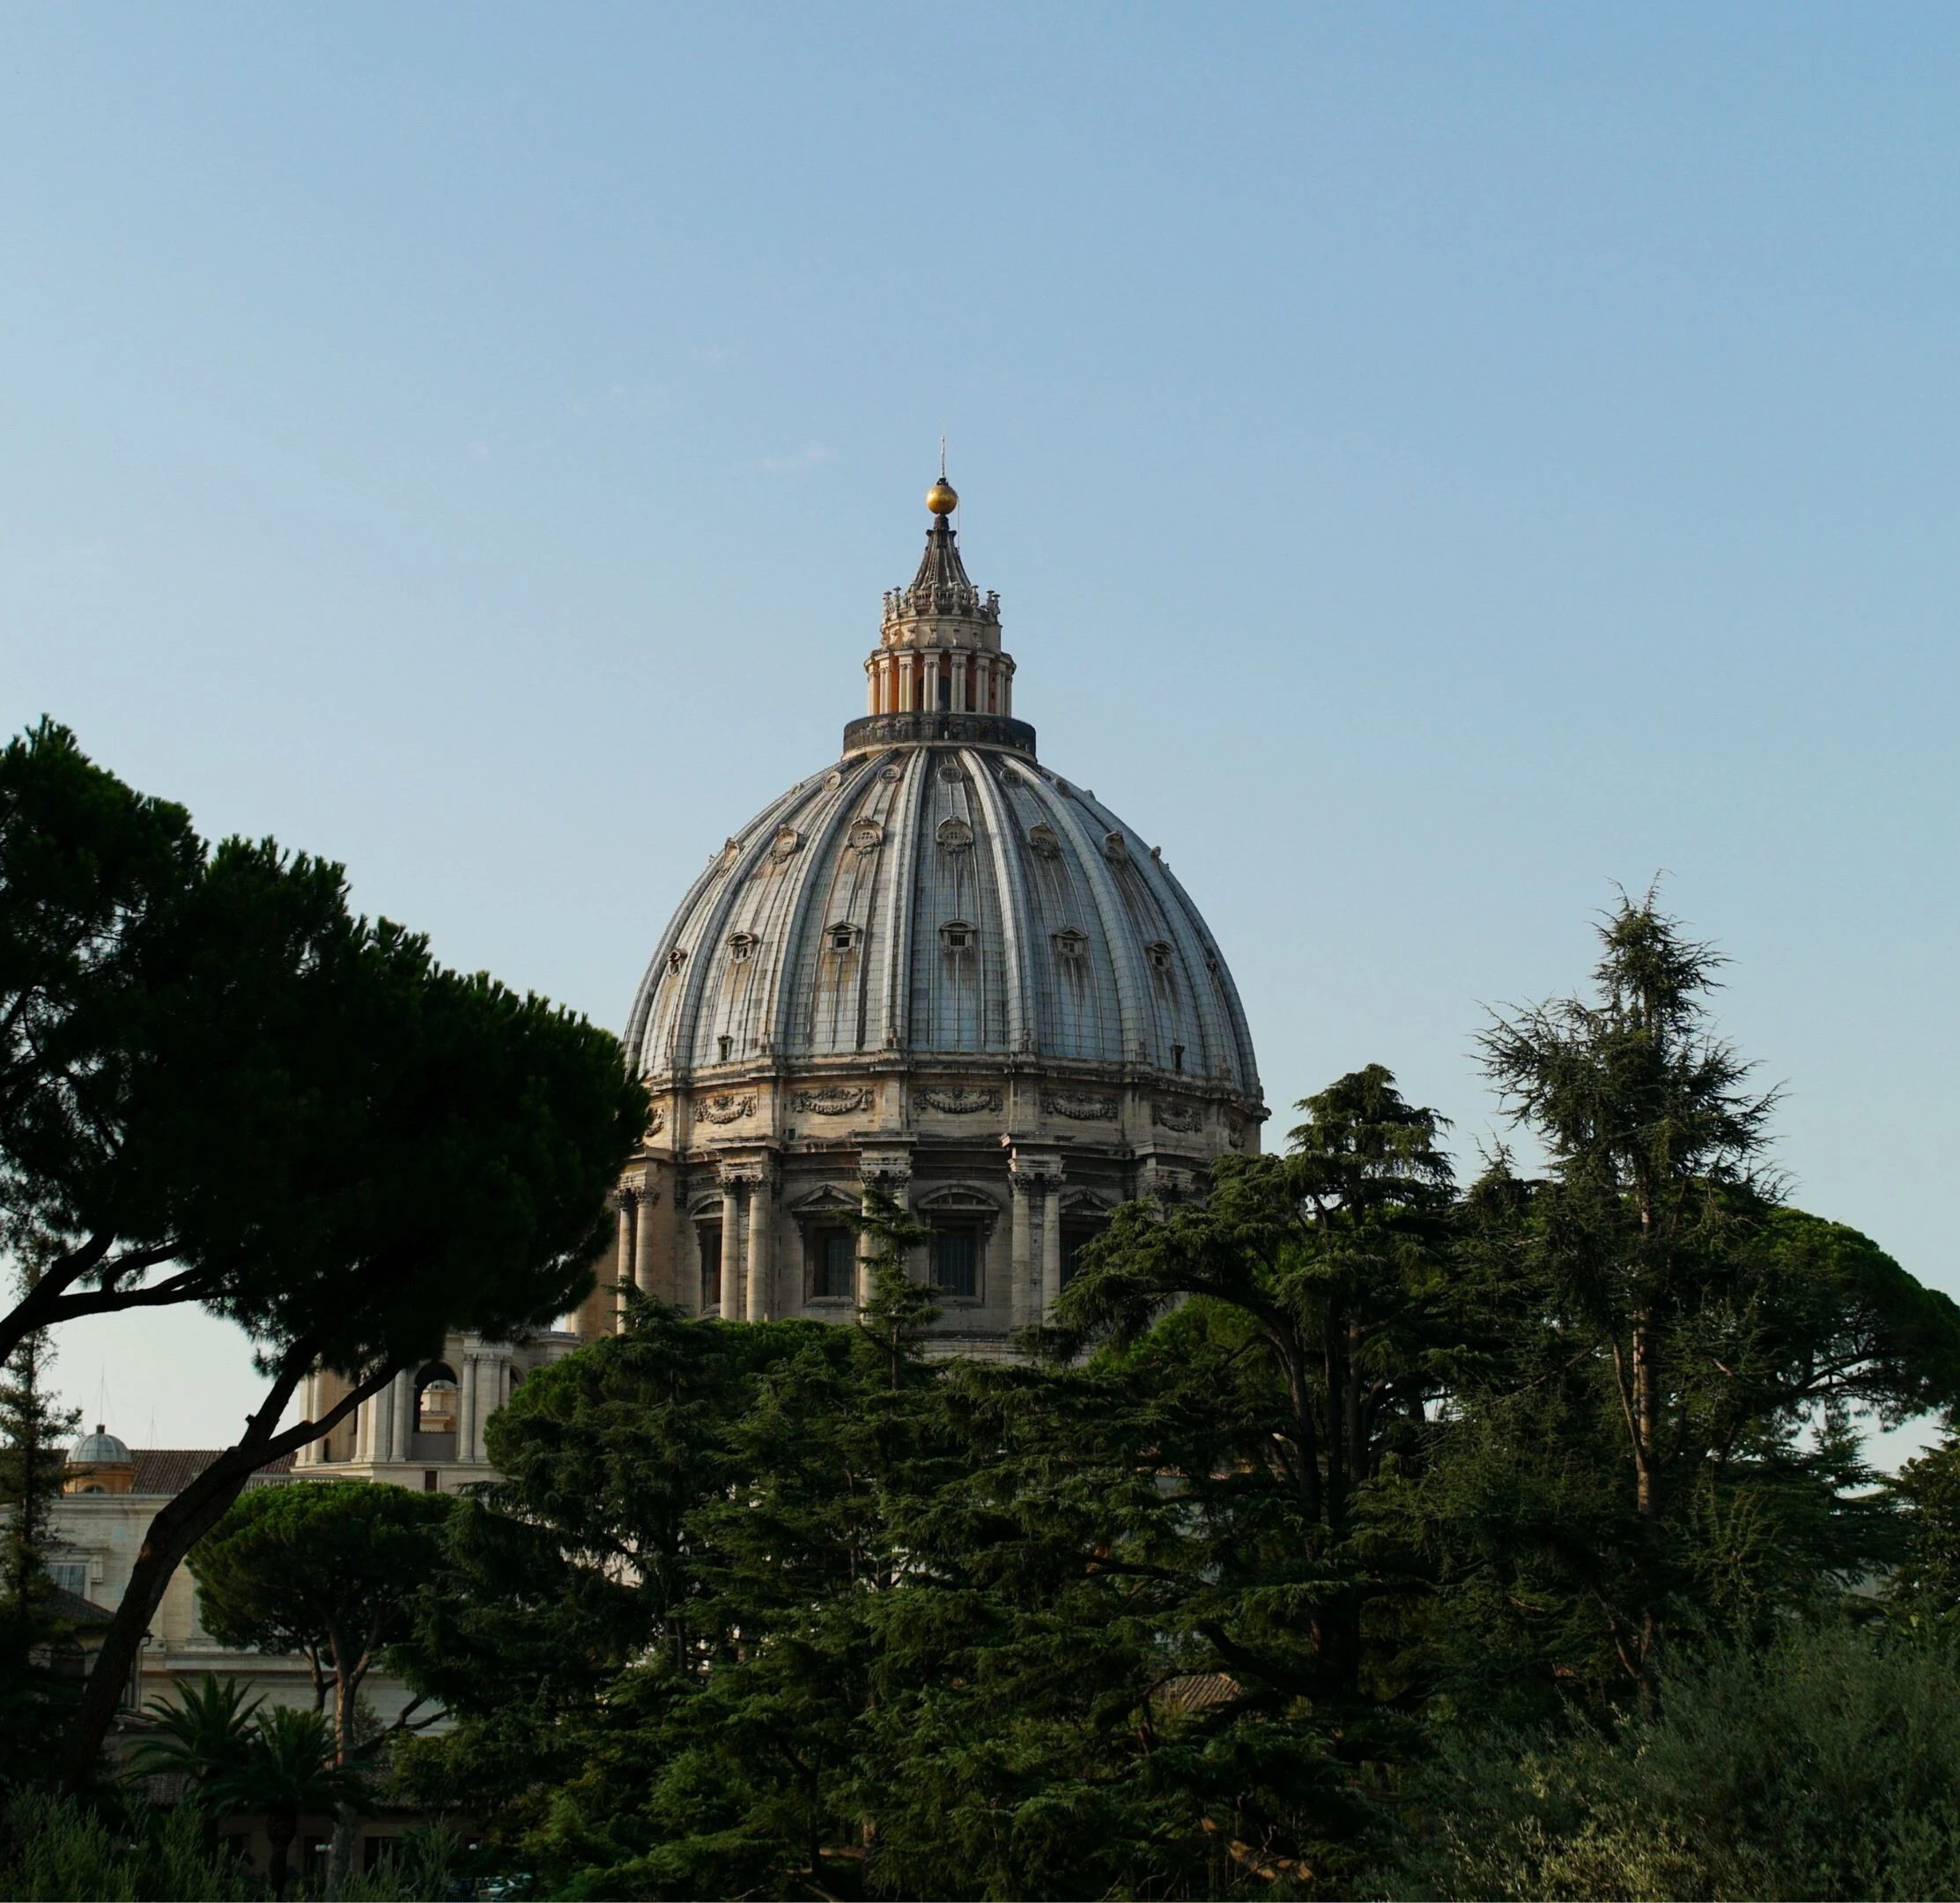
(75, 1610)
(169, 1471)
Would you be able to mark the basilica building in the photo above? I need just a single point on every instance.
(934, 967)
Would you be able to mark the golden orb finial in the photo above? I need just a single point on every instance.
(942, 498)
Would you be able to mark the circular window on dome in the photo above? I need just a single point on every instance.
(788, 841)
(675, 959)
(741, 946)
(957, 936)
(867, 836)
(954, 836)
(1043, 839)
(1115, 849)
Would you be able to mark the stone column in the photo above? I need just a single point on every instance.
(932, 682)
(759, 1304)
(625, 1202)
(906, 697)
(1036, 1176)
(871, 686)
(466, 1406)
(1007, 687)
(374, 1427)
(402, 1408)
(309, 1406)
(1020, 1271)
(1051, 1246)
(731, 1248)
(644, 1273)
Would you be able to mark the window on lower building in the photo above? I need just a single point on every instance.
(955, 1260)
(428, 1480)
(1076, 1237)
(832, 1264)
(71, 1575)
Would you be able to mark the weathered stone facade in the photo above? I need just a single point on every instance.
(937, 966)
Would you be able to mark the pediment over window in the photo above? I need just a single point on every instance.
(957, 1200)
(828, 1201)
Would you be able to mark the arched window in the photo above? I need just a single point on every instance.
(435, 1399)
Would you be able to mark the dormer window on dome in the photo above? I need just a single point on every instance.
(957, 936)
(1070, 943)
(1159, 954)
(842, 937)
(741, 946)
(675, 959)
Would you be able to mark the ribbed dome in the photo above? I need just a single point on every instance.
(920, 900)
(99, 1448)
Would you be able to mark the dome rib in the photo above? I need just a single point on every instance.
(1110, 914)
(817, 874)
(727, 880)
(902, 844)
(1012, 897)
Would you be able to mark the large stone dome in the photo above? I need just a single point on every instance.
(937, 966)
(943, 903)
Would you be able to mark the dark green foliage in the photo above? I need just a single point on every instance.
(38, 1655)
(326, 1569)
(1924, 1591)
(206, 1733)
(218, 1085)
(57, 1849)
(288, 1769)
(1826, 1764)
(1667, 1432)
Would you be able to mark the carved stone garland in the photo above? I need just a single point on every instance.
(960, 1102)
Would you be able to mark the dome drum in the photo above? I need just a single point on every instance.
(872, 730)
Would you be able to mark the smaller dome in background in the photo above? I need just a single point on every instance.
(99, 1448)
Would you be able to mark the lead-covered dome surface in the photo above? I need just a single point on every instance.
(924, 900)
(99, 1448)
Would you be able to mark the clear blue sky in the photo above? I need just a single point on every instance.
(1436, 460)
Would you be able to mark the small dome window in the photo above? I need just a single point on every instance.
(954, 836)
(788, 841)
(741, 946)
(675, 959)
(1070, 943)
(1043, 839)
(1115, 849)
(1160, 954)
(841, 937)
(957, 936)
